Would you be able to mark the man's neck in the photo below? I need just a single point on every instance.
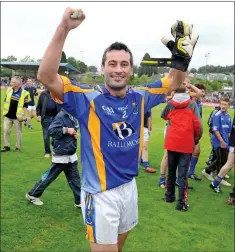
(118, 93)
(16, 89)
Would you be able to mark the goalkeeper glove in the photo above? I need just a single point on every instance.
(183, 46)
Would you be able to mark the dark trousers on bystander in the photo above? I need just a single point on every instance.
(180, 160)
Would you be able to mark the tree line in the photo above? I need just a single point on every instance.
(213, 69)
(142, 74)
(80, 65)
(139, 70)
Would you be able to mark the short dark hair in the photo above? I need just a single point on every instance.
(117, 46)
(225, 99)
(200, 86)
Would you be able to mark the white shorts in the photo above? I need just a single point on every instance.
(146, 134)
(110, 213)
(31, 108)
(231, 149)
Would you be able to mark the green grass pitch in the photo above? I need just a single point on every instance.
(58, 227)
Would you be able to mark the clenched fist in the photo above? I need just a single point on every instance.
(72, 18)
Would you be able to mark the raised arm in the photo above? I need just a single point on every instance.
(181, 54)
(48, 70)
(176, 78)
(195, 92)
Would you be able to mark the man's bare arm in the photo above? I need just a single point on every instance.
(48, 70)
(176, 78)
(195, 92)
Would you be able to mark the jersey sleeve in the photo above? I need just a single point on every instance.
(75, 100)
(154, 93)
(216, 123)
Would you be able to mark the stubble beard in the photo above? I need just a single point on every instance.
(116, 86)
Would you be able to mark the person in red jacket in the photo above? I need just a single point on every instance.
(184, 131)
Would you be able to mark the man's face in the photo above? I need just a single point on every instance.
(117, 69)
(14, 83)
(224, 106)
(203, 92)
(29, 82)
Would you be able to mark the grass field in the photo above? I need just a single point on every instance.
(58, 227)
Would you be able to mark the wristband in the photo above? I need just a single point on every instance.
(65, 130)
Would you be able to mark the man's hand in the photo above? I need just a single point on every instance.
(187, 85)
(183, 46)
(223, 145)
(76, 135)
(48, 70)
(71, 131)
(39, 118)
(72, 18)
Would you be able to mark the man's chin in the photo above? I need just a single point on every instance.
(116, 86)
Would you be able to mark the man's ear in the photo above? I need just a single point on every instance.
(132, 72)
(102, 69)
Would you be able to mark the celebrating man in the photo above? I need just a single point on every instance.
(111, 123)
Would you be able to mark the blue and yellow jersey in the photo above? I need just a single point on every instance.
(111, 130)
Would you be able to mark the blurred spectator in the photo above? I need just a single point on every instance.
(46, 109)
